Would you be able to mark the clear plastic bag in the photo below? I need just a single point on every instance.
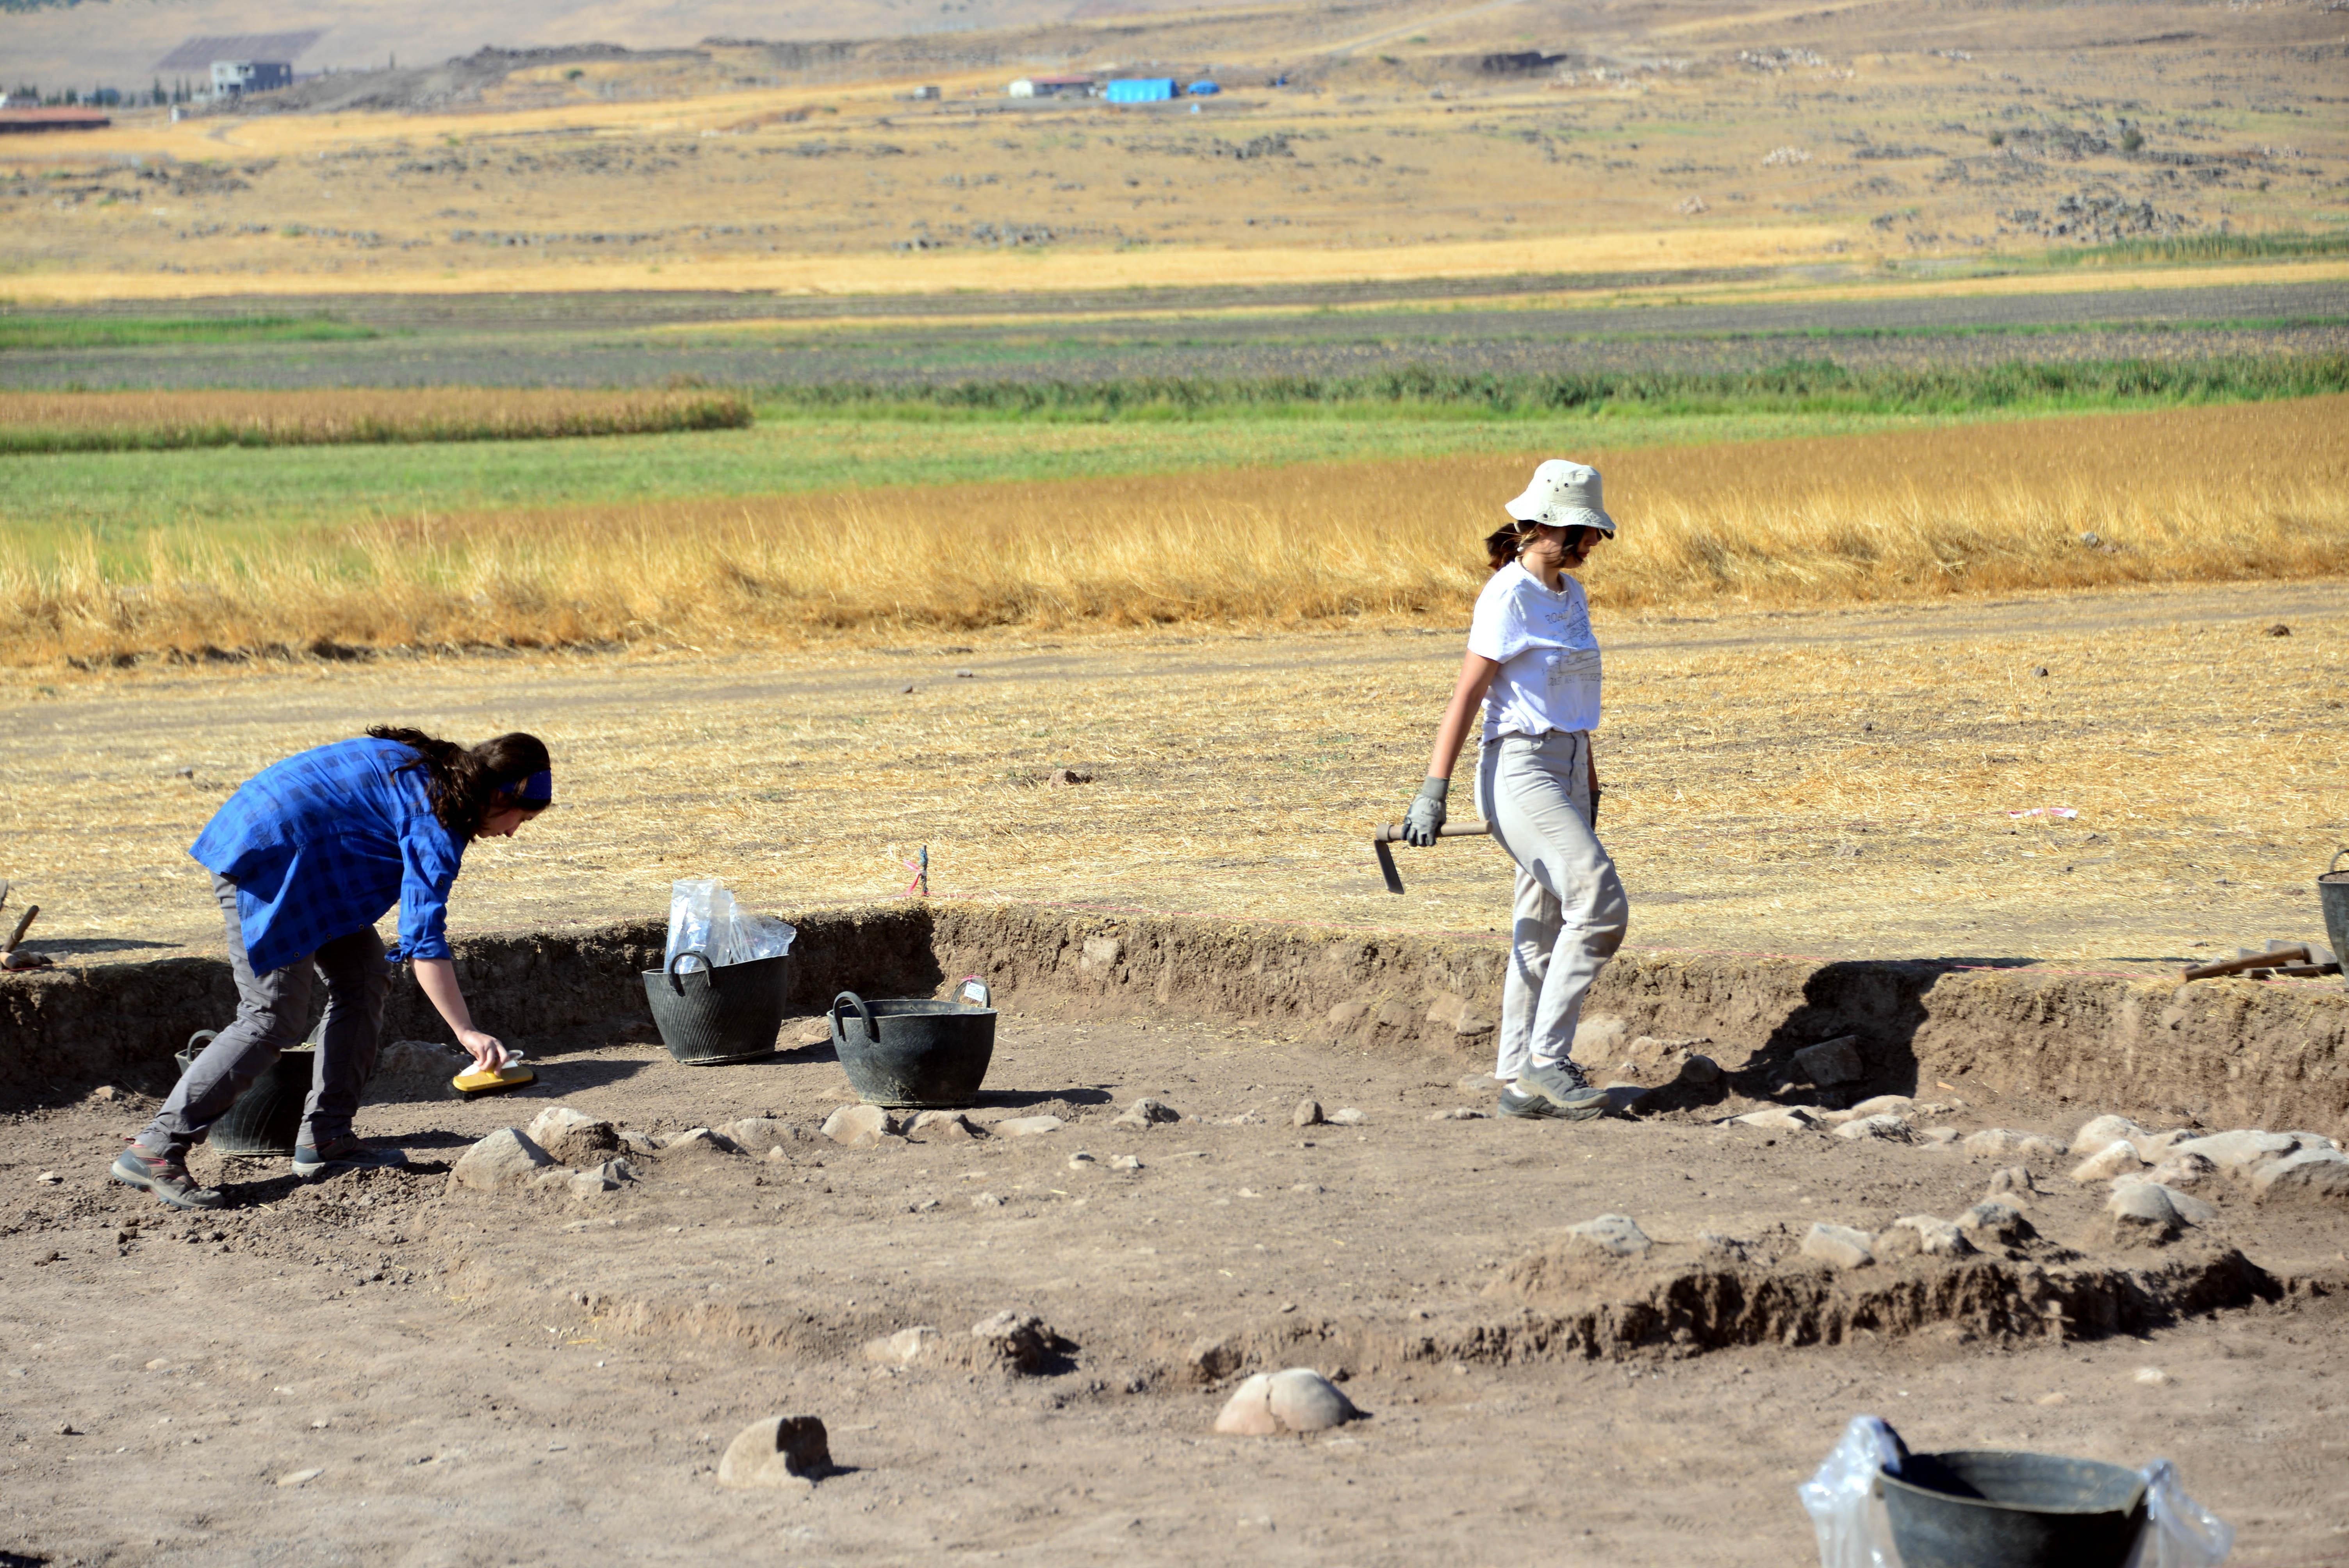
(703, 917)
(2179, 1532)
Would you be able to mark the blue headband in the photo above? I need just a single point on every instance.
(534, 793)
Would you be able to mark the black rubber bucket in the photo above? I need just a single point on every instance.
(915, 1053)
(2333, 896)
(267, 1118)
(1999, 1509)
(708, 1018)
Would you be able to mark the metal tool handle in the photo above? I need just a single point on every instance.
(679, 986)
(2274, 958)
(872, 1029)
(1393, 832)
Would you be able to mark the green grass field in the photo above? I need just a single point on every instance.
(1007, 432)
(50, 332)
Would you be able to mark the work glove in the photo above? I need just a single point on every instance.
(1426, 813)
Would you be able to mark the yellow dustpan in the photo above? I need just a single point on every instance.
(493, 1080)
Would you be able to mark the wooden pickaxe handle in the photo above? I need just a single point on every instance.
(1391, 832)
(2275, 958)
(22, 925)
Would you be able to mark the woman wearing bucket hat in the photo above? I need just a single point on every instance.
(1533, 664)
(305, 857)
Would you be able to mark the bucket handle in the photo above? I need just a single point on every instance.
(2335, 866)
(974, 992)
(872, 1029)
(676, 985)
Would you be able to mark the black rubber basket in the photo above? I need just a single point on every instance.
(710, 1016)
(1989, 1508)
(267, 1119)
(915, 1053)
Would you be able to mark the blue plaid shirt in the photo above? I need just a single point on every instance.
(322, 844)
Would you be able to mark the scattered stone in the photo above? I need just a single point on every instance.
(2013, 1183)
(1886, 1128)
(1458, 1113)
(1347, 1116)
(1306, 1114)
(301, 1477)
(2236, 1152)
(1839, 1246)
(1936, 1237)
(570, 1136)
(1016, 1341)
(2142, 1215)
(1727, 1246)
(1026, 1125)
(1995, 1142)
(906, 1347)
(48, 1178)
(635, 1142)
(767, 1132)
(2153, 1147)
(1780, 1119)
(859, 1126)
(1616, 1235)
(2055, 1398)
(2319, 1172)
(1885, 1105)
(2153, 1376)
(1991, 1223)
(1833, 1061)
(2192, 1210)
(506, 1158)
(2183, 1172)
(697, 1140)
(1127, 1162)
(945, 1127)
(782, 1450)
(1298, 1400)
(2115, 1159)
(1146, 1113)
(1080, 1160)
(1696, 1067)
(986, 1201)
(1938, 1136)
(2103, 1132)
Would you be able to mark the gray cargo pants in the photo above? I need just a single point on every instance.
(1571, 912)
(271, 1011)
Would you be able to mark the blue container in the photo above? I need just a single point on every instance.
(1203, 89)
(1141, 89)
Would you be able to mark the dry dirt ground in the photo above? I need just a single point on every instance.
(1829, 783)
(375, 1370)
(1679, 135)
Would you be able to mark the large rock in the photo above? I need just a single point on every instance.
(2005, 1142)
(1615, 1236)
(1026, 1125)
(1936, 1237)
(1780, 1119)
(906, 1346)
(758, 1134)
(1013, 1341)
(1269, 1404)
(2236, 1152)
(1831, 1062)
(415, 1069)
(2142, 1215)
(506, 1158)
(1146, 1113)
(2118, 1158)
(608, 1177)
(1885, 1128)
(2183, 1172)
(2013, 1183)
(2097, 1135)
(573, 1137)
(1992, 1225)
(859, 1126)
(943, 1127)
(782, 1450)
(2318, 1173)
(2194, 1211)
(1839, 1246)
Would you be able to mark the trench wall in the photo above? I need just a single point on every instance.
(2227, 1053)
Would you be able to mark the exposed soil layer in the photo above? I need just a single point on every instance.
(2211, 1054)
(503, 1375)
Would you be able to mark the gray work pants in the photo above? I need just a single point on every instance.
(271, 1011)
(1570, 913)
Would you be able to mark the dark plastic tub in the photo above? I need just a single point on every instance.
(915, 1053)
(267, 1118)
(708, 1018)
(2333, 896)
(2002, 1509)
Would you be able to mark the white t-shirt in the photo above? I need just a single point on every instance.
(1548, 659)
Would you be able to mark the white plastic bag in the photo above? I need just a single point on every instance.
(1841, 1498)
(704, 918)
(2179, 1532)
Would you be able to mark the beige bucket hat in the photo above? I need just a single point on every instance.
(1564, 494)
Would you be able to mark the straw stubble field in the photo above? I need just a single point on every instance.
(1822, 781)
(2179, 495)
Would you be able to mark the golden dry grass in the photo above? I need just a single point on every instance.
(109, 421)
(2196, 494)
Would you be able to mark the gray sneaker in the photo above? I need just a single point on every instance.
(1532, 1106)
(167, 1179)
(344, 1154)
(1562, 1084)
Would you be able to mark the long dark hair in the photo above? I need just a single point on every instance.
(464, 780)
(1503, 544)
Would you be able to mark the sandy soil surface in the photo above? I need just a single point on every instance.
(1832, 783)
(172, 1379)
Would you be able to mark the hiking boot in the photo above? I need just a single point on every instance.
(1528, 1105)
(343, 1154)
(1562, 1084)
(168, 1179)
